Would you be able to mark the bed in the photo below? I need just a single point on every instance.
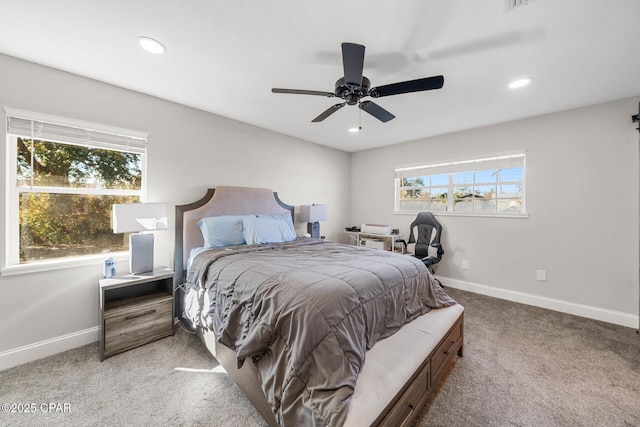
(313, 332)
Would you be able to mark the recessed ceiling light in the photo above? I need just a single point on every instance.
(520, 83)
(151, 45)
(355, 129)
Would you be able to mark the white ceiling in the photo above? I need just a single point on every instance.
(225, 56)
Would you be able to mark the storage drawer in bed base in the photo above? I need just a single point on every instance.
(445, 352)
(404, 410)
(413, 397)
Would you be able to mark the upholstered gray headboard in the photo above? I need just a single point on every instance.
(222, 200)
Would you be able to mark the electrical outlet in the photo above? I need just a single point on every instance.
(541, 275)
(465, 264)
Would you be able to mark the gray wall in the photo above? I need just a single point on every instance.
(188, 152)
(582, 199)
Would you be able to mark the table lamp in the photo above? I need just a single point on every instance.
(141, 218)
(313, 214)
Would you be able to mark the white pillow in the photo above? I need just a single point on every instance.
(258, 230)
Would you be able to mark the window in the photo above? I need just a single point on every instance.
(488, 186)
(63, 178)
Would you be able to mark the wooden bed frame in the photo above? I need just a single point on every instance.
(387, 392)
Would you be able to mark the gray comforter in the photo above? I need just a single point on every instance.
(305, 312)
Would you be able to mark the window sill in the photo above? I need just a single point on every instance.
(62, 263)
(481, 215)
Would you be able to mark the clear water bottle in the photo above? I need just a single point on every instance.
(109, 270)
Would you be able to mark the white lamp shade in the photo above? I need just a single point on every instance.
(313, 213)
(133, 217)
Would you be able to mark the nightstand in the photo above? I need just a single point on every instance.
(135, 310)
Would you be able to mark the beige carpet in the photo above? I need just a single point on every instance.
(526, 366)
(523, 366)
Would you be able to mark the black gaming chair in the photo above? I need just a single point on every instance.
(424, 239)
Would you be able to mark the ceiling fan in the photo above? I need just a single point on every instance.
(354, 86)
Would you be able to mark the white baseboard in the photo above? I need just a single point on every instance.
(596, 313)
(27, 353)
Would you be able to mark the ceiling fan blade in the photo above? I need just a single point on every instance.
(352, 62)
(303, 92)
(376, 111)
(428, 83)
(329, 111)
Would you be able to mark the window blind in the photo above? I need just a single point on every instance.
(498, 162)
(57, 129)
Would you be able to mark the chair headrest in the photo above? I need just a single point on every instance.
(426, 218)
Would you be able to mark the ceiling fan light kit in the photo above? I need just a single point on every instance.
(354, 86)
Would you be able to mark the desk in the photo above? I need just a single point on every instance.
(373, 240)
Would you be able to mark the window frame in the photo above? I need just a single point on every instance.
(108, 138)
(499, 161)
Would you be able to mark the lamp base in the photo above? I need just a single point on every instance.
(313, 228)
(140, 253)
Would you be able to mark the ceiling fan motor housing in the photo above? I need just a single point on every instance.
(352, 94)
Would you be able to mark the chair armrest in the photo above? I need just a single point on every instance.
(439, 247)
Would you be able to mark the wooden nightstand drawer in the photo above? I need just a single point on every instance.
(136, 322)
(446, 350)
